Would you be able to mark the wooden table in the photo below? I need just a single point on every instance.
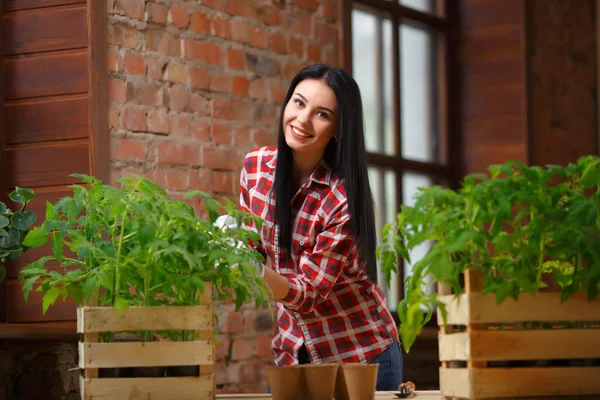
(418, 395)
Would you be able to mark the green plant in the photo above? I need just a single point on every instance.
(135, 246)
(14, 227)
(522, 226)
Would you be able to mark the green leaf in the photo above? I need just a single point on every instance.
(35, 238)
(22, 195)
(28, 286)
(120, 304)
(89, 286)
(49, 210)
(11, 239)
(23, 220)
(50, 298)
(57, 243)
(2, 208)
(591, 176)
(4, 221)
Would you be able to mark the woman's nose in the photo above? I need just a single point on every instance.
(304, 116)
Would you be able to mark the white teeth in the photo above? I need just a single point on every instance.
(297, 132)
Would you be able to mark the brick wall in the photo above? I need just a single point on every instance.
(193, 86)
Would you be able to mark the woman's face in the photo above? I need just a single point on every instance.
(310, 117)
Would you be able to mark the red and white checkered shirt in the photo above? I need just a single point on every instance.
(331, 306)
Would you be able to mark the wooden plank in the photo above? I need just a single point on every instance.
(48, 164)
(514, 382)
(478, 308)
(60, 331)
(3, 180)
(98, 90)
(12, 5)
(170, 388)
(47, 74)
(47, 119)
(520, 345)
(456, 382)
(149, 354)
(46, 29)
(102, 319)
(18, 310)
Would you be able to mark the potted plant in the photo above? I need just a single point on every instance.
(14, 227)
(495, 245)
(143, 263)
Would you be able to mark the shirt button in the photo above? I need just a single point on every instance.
(301, 243)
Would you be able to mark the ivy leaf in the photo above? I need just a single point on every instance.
(22, 195)
(50, 298)
(4, 221)
(23, 220)
(11, 239)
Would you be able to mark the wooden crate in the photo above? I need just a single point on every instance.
(472, 347)
(94, 355)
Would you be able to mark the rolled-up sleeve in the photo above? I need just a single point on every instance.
(322, 265)
(244, 205)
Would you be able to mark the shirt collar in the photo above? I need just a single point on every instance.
(321, 174)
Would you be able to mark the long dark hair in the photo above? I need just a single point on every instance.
(347, 157)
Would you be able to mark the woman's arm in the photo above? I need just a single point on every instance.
(279, 285)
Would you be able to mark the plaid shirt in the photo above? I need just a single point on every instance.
(331, 306)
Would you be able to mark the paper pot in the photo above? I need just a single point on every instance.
(284, 382)
(356, 381)
(319, 381)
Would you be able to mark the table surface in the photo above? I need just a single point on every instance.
(418, 395)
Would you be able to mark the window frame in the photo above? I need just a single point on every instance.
(449, 96)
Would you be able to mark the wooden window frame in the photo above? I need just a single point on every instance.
(449, 95)
(98, 156)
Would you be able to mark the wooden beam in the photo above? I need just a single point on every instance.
(49, 331)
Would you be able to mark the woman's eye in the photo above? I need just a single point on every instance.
(323, 114)
(298, 102)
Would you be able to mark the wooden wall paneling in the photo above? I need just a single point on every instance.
(98, 90)
(12, 5)
(41, 30)
(3, 164)
(47, 74)
(48, 165)
(20, 311)
(30, 121)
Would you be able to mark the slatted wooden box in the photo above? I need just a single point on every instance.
(474, 351)
(94, 355)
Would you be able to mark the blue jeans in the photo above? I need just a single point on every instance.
(390, 371)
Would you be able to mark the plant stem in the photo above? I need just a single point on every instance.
(119, 251)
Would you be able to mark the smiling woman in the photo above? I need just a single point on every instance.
(312, 193)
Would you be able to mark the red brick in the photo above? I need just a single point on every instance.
(114, 61)
(291, 68)
(207, 52)
(239, 86)
(135, 119)
(236, 59)
(330, 9)
(200, 130)
(221, 27)
(156, 68)
(178, 99)
(263, 346)
(232, 110)
(221, 133)
(258, 37)
(199, 105)
(313, 52)
(325, 33)
(222, 182)
(171, 178)
(118, 91)
(179, 17)
(132, 8)
(241, 136)
(157, 13)
(113, 118)
(200, 23)
(263, 137)
(199, 78)
(268, 114)
(249, 372)
(121, 35)
(258, 89)
(176, 73)
(220, 82)
(330, 55)
(177, 153)
(147, 94)
(222, 347)
(277, 91)
(200, 179)
(158, 121)
(265, 13)
(277, 42)
(311, 5)
(242, 349)
(180, 125)
(300, 24)
(296, 46)
(223, 159)
(129, 149)
(162, 42)
(135, 64)
(240, 30)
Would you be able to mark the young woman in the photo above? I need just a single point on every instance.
(313, 194)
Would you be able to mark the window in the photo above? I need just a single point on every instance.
(400, 53)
